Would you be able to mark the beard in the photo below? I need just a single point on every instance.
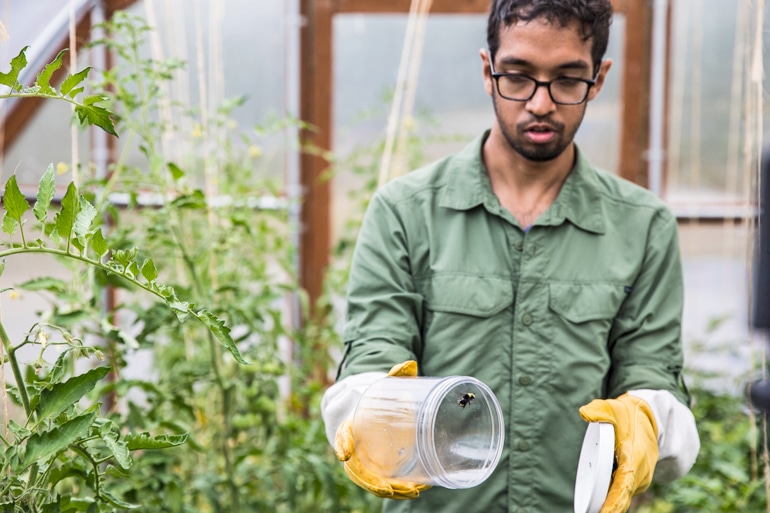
(563, 136)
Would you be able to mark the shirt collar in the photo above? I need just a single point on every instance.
(467, 181)
(579, 201)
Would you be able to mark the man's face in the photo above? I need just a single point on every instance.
(539, 129)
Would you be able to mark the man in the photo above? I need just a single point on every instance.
(517, 262)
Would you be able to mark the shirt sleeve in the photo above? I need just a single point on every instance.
(678, 440)
(384, 311)
(645, 339)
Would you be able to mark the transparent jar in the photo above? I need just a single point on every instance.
(444, 432)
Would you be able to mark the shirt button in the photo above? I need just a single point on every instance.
(526, 319)
(518, 245)
(525, 380)
(523, 446)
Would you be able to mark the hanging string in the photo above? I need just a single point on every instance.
(696, 99)
(3, 111)
(407, 119)
(164, 100)
(73, 66)
(676, 117)
(395, 119)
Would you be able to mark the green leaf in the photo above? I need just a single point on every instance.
(76, 91)
(145, 441)
(221, 332)
(118, 449)
(72, 81)
(176, 171)
(15, 205)
(149, 271)
(95, 115)
(45, 192)
(124, 257)
(2, 266)
(194, 200)
(182, 309)
(98, 244)
(48, 283)
(40, 447)
(84, 218)
(62, 395)
(70, 205)
(118, 503)
(18, 63)
(44, 77)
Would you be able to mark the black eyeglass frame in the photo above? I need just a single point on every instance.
(496, 76)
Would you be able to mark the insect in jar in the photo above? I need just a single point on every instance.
(466, 399)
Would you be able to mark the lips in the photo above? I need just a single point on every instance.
(540, 133)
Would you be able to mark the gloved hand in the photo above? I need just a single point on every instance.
(344, 447)
(636, 446)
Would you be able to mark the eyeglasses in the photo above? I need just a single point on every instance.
(522, 88)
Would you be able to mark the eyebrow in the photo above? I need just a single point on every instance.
(579, 65)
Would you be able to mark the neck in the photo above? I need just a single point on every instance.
(525, 188)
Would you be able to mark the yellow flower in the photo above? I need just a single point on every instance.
(197, 130)
(255, 151)
(15, 294)
(62, 168)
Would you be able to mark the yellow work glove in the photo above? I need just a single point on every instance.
(636, 446)
(344, 447)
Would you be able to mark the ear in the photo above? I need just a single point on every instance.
(486, 70)
(604, 68)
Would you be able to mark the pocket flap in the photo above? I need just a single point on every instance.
(583, 302)
(481, 296)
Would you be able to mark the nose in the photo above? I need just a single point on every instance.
(541, 103)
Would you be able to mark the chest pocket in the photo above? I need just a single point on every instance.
(467, 323)
(581, 303)
(478, 296)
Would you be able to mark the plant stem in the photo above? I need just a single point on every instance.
(95, 263)
(11, 351)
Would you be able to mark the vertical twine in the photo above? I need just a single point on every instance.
(676, 117)
(393, 117)
(696, 98)
(210, 171)
(4, 387)
(164, 99)
(73, 66)
(407, 121)
(3, 111)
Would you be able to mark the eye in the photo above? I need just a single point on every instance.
(516, 79)
(569, 82)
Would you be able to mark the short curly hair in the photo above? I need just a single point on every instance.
(593, 17)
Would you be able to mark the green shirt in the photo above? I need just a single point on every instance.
(585, 304)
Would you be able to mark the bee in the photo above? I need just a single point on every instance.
(466, 399)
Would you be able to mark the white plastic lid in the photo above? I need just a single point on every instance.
(594, 467)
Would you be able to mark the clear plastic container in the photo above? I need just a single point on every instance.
(444, 432)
